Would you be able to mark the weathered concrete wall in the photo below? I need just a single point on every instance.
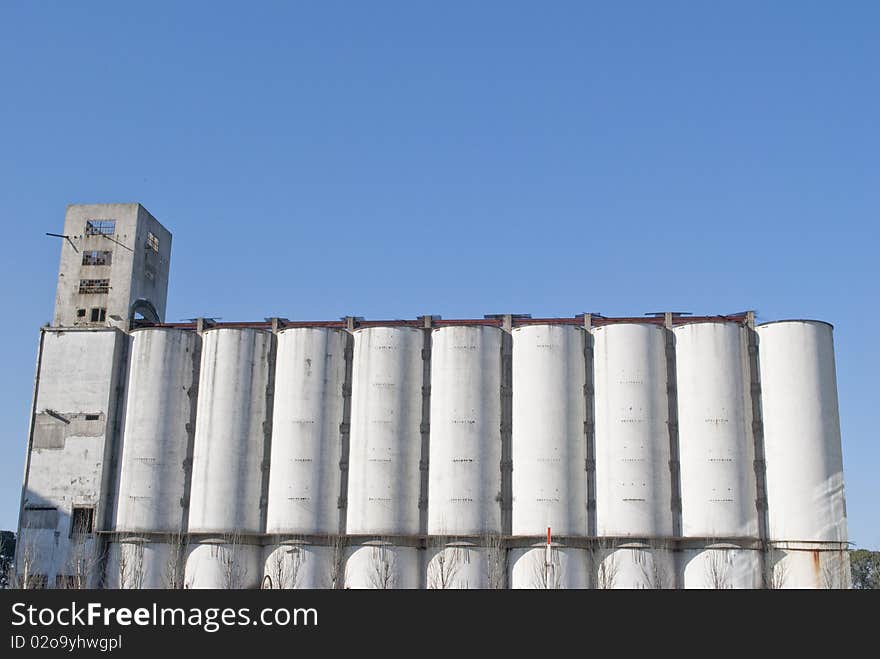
(75, 418)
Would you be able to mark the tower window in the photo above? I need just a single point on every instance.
(98, 314)
(96, 257)
(80, 313)
(81, 520)
(100, 227)
(152, 242)
(94, 285)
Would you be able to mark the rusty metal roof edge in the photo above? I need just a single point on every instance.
(596, 321)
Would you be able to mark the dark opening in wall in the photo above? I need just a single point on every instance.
(98, 314)
(100, 227)
(81, 520)
(92, 417)
(80, 313)
(39, 517)
(94, 285)
(96, 257)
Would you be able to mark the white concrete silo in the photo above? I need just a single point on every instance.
(548, 443)
(306, 447)
(633, 487)
(231, 429)
(159, 423)
(385, 445)
(802, 445)
(716, 444)
(464, 479)
(802, 449)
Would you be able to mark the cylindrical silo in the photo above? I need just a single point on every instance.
(229, 563)
(159, 424)
(567, 569)
(548, 444)
(457, 566)
(802, 448)
(382, 566)
(306, 445)
(633, 566)
(722, 566)
(385, 441)
(716, 446)
(296, 565)
(231, 431)
(464, 479)
(633, 486)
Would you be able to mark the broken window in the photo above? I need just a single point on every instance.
(98, 314)
(97, 257)
(80, 313)
(81, 520)
(152, 241)
(100, 227)
(94, 285)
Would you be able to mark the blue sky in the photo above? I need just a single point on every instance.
(315, 160)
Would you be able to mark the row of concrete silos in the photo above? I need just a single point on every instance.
(642, 437)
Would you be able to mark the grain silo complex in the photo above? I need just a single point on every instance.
(657, 451)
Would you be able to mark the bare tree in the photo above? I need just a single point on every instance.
(131, 565)
(834, 570)
(381, 575)
(84, 558)
(654, 573)
(24, 576)
(336, 572)
(234, 568)
(547, 575)
(496, 561)
(175, 565)
(285, 565)
(775, 569)
(606, 561)
(717, 569)
(443, 566)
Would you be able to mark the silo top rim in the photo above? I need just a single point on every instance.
(796, 320)
(235, 329)
(158, 328)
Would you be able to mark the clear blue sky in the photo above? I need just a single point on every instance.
(321, 159)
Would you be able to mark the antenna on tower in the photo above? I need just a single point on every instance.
(67, 238)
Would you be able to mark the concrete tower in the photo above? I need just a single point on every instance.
(114, 266)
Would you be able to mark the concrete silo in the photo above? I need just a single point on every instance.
(548, 443)
(716, 444)
(464, 479)
(802, 446)
(633, 480)
(159, 426)
(232, 433)
(384, 478)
